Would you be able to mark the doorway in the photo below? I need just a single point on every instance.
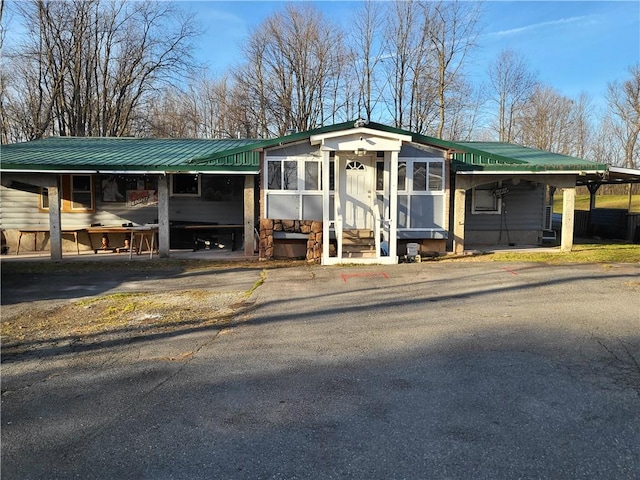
(358, 194)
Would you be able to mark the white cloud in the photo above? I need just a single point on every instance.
(536, 26)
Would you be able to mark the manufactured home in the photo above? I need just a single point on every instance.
(355, 192)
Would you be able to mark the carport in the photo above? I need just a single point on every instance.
(608, 219)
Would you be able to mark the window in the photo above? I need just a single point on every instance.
(185, 184)
(402, 176)
(485, 200)
(419, 175)
(312, 175)
(274, 175)
(436, 178)
(293, 187)
(421, 202)
(76, 194)
(81, 192)
(379, 175)
(283, 174)
(44, 198)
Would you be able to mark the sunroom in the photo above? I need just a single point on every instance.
(356, 195)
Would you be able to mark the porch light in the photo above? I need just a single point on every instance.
(360, 152)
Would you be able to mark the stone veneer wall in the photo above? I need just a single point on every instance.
(312, 228)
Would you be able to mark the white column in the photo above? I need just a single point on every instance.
(393, 206)
(55, 221)
(568, 207)
(338, 215)
(163, 216)
(326, 214)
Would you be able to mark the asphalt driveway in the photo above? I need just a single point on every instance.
(420, 371)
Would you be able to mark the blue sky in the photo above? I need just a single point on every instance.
(573, 46)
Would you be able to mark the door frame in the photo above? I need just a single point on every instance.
(368, 162)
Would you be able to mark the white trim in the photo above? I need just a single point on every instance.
(624, 170)
(316, 139)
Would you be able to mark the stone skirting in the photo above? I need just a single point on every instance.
(311, 228)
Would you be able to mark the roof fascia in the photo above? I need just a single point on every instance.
(319, 138)
(625, 171)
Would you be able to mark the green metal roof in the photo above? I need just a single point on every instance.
(180, 155)
(499, 156)
(468, 156)
(127, 154)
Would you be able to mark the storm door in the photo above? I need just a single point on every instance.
(358, 193)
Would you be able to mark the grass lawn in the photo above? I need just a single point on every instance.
(581, 253)
(602, 201)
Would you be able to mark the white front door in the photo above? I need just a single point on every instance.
(358, 193)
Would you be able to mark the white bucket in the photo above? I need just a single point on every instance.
(412, 249)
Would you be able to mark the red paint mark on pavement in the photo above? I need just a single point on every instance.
(346, 276)
(510, 271)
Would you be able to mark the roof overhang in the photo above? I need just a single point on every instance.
(529, 172)
(204, 171)
(612, 176)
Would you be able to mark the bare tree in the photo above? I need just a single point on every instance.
(624, 103)
(553, 122)
(405, 50)
(367, 55)
(511, 84)
(292, 60)
(453, 34)
(88, 65)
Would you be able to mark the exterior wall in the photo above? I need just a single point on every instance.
(520, 221)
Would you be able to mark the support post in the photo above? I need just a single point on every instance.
(568, 207)
(163, 216)
(55, 221)
(326, 214)
(393, 206)
(459, 205)
(249, 214)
